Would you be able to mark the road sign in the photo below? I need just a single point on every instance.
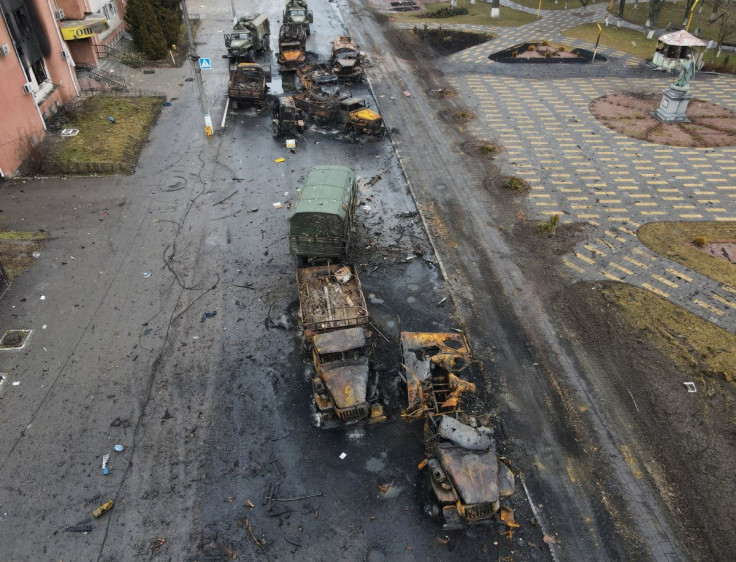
(205, 64)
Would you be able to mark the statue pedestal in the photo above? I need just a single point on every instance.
(673, 106)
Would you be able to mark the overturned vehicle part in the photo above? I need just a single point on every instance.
(345, 391)
(430, 362)
(465, 479)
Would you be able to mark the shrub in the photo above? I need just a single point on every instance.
(515, 53)
(514, 184)
(700, 241)
(532, 48)
(447, 12)
(545, 42)
(550, 225)
(548, 54)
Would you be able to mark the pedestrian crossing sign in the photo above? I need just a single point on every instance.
(205, 64)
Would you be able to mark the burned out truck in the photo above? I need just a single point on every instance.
(292, 46)
(354, 115)
(344, 386)
(248, 84)
(250, 36)
(335, 321)
(432, 363)
(346, 60)
(465, 480)
(297, 12)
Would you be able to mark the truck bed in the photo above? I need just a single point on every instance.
(327, 304)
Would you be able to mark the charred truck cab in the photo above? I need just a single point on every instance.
(343, 379)
(466, 479)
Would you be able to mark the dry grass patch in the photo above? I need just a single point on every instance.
(680, 242)
(692, 342)
(17, 248)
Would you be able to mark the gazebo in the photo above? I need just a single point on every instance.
(673, 49)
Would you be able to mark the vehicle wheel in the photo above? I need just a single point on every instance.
(234, 104)
(266, 42)
(250, 56)
(275, 129)
(309, 30)
(425, 495)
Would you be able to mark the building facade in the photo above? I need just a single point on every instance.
(40, 43)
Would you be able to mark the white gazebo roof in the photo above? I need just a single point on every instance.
(681, 39)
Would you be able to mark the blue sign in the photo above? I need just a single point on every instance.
(205, 64)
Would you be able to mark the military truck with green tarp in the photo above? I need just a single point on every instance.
(321, 224)
(297, 12)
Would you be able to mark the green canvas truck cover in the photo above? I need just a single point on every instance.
(321, 222)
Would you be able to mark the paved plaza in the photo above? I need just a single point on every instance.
(583, 171)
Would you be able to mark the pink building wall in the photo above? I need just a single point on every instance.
(21, 122)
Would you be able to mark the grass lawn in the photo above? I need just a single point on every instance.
(16, 250)
(672, 13)
(688, 339)
(478, 14)
(552, 5)
(621, 39)
(99, 140)
(675, 240)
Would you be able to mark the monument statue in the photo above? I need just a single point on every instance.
(687, 71)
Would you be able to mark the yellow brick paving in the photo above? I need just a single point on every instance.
(583, 171)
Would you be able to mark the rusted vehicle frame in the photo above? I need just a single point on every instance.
(468, 484)
(326, 304)
(431, 362)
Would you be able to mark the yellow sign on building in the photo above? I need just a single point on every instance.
(82, 29)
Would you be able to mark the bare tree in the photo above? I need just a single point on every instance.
(689, 5)
(584, 3)
(621, 5)
(726, 28)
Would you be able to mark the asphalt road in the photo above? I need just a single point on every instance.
(214, 411)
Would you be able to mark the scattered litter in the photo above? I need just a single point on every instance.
(286, 193)
(105, 470)
(374, 180)
(111, 119)
(43, 327)
(366, 208)
(410, 257)
(155, 545)
(253, 210)
(442, 301)
(443, 540)
(343, 455)
(406, 93)
(167, 103)
(343, 275)
(16, 383)
(278, 205)
(507, 516)
(279, 160)
(290, 143)
(690, 386)
(119, 448)
(36, 254)
(146, 274)
(549, 539)
(43, 297)
(69, 132)
(385, 487)
(104, 508)
(249, 503)
(207, 315)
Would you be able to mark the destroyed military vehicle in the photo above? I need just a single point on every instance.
(285, 117)
(247, 84)
(465, 480)
(316, 75)
(321, 225)
(432, 363)
(292, 46)
(346, 61)
(354, 115)
(343, 381)
(297, 12)
(249, 37)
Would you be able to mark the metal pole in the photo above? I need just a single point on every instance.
(232, 7)
(194, 60)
